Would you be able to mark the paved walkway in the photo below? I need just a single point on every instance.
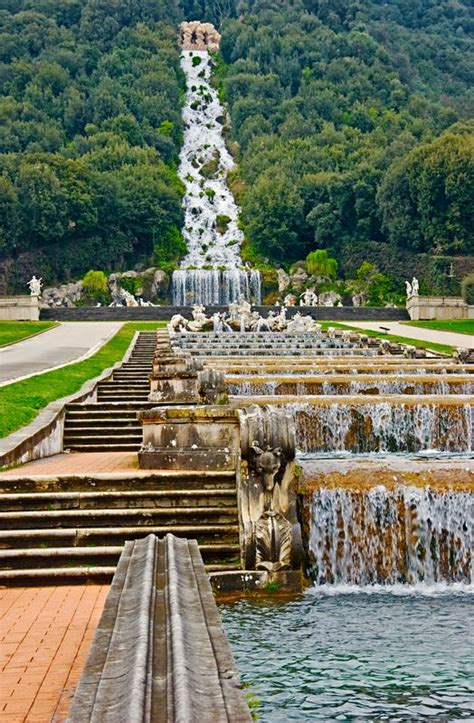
(45, 636)
(415, 332)
(63, 344)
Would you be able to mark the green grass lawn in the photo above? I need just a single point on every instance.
(463, 326)
(419, 344)
(11, 331)
(21, 401)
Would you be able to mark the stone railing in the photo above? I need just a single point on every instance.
(159, 652)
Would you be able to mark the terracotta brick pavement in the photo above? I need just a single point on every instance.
(45, 635)
(77, 463)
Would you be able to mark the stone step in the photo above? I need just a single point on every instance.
(224, 555)
(56, 575)
(101, 434)
(104, 536)
(145, 516)
(179, 499)
(167, 481)
(104, 447)
(119, 384)
(122, 396)
(90, 422)
(106, 407)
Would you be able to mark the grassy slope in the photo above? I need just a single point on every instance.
(11, 331)
(20, 402)
(441, 348)
(465, 326)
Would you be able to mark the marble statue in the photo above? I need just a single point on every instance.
(309, 298)
(35, 286)
(415, 286)
(408, 289)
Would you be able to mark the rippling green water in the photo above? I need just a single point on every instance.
(355, 655)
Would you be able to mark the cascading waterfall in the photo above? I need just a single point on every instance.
(383, 427)
(212, 271)
(246, 387)
(407, 535)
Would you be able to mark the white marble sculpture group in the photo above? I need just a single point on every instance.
(240, 317)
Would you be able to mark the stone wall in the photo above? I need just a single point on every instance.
(19, 308)
(164, 313)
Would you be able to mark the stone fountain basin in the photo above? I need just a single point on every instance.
(361, 473)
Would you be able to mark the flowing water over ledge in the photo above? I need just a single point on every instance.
(358, 654)
(405, 535)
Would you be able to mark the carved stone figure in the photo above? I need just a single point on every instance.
(408, 289)
(270, 533)
(195, 35)
(415, 286)
(35, 286)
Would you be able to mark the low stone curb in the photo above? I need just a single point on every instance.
(43, 437)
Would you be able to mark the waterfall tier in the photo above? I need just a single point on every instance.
(405, 535)
(212, 271)
(215, 287)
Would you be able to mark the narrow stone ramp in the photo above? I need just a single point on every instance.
(159, 652)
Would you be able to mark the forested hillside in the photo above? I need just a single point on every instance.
(89, 136)
(351, 119)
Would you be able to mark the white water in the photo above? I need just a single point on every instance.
(408, 535)
(212, 271)
(383, 427)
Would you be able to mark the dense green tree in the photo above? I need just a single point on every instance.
(426, 196)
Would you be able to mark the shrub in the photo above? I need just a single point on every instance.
(95, 287)
(467, 289)
(222, 222)
(196, 60)
(318, 263)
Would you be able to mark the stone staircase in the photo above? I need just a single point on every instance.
(73, 527)
(111, 423)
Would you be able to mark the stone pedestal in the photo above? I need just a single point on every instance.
(199, 438)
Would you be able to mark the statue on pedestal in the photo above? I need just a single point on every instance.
(408, 289)
(414, 286)
(35, 286)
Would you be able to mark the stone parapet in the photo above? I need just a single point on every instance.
(438, 308)
(19, 308)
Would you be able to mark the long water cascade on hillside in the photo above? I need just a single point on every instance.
(212, 271)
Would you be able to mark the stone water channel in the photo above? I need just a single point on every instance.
(385, 455)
